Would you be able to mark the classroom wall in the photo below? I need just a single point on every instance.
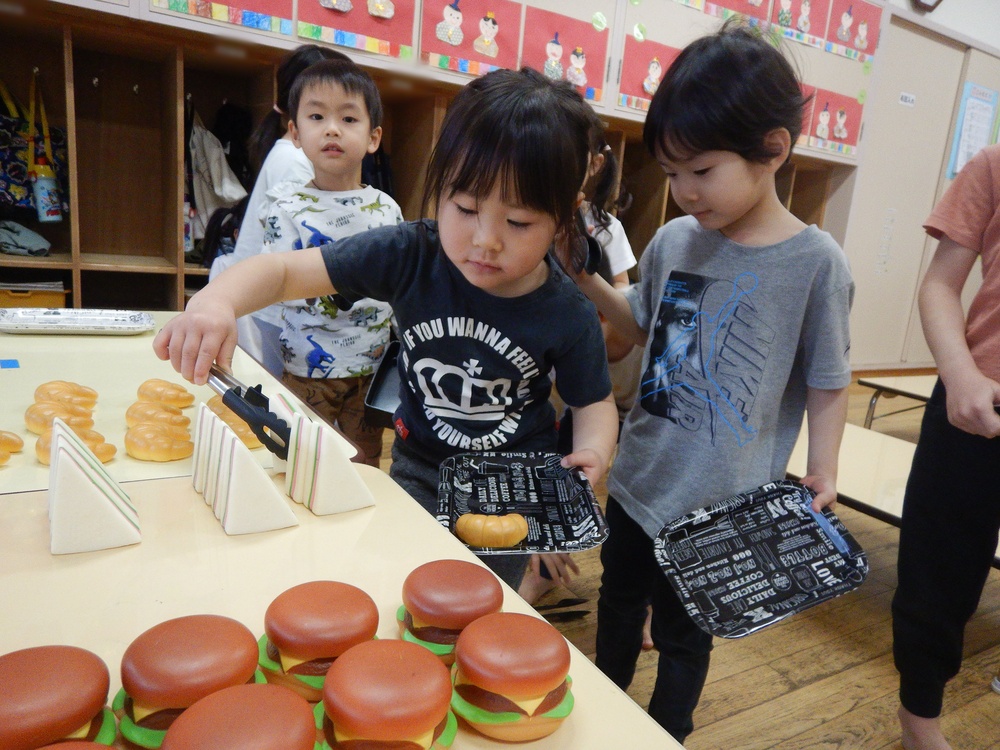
(976, 19)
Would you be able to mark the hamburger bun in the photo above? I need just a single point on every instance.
(245, 717)
(175, 664)
(307, 627)
(510, 677)
(49, 693)
(389, 692)
(440, 598)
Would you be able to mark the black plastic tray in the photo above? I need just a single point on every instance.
(758, 557)
(558, 504)
(383, 392)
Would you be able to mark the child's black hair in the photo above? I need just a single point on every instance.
(353, 79)
(221, 230)
(272, 127)
(725, 92)
(520, 132)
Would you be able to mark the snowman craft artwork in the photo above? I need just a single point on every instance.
(785, 14)
(755, 3)
(342, 6)
(840, 129)
(803, 24)
(486, 43)
(861, 40)
(844, 32)
(575, 74)
(553, 59)
(823, 126)
(449, 30)
(381, 8)
(652, 82)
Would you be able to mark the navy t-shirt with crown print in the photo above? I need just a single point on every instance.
(474, 367)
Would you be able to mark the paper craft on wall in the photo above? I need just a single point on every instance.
(642, 69)
(384, 27)
(259, 15)
(835, 123)
(470, 36)
(974, 130)
(566, 47)
(853, 29)
(809, 93)
(750, 8)
(802, 21)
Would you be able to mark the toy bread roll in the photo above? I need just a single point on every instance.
(94, 440)
(38, 417)
(149, 441)
(10, 442)
(235, 422)
(491, 531)
(66, 392)
(165, 392)
(151, 411)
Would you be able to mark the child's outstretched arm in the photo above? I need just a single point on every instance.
(611, 303)
(205, 333)
(595, 432)
(970, 394)
(826, 414)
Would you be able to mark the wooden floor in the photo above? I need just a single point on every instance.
(824, 678)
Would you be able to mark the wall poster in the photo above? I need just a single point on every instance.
(974, 130)
(470, 36)
(566, 48)
(835, 123)
(643, 67)
(756, 9)
(260, 15)
(803, 21)
(853, 29)
(384, 27)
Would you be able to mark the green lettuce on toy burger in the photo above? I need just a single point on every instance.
(173, 665)
(307, 627)
(53, 693)
(440, 599)
(511, 677)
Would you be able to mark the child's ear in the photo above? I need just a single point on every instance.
(779, 143)
(294, 133)
(374, 140)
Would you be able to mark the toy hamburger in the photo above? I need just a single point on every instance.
(510, 677)
(261, 717)
(54, 693)
(386, 695)
(440, 598)
(175, 664)
(307, 627)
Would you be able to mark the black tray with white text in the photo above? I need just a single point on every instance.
(758, 557)
(558, 504)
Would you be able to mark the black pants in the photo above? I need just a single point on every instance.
(632, 578)
(951, 514)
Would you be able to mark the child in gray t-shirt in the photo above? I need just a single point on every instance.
(742, 311)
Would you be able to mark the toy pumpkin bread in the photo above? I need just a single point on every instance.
(481, 530)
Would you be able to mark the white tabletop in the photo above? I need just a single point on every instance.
(913, 386)
(186, 564)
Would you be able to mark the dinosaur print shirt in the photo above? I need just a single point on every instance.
(474, 367)
(319, 340)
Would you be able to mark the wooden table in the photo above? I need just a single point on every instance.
(917, 387)
(186, 564)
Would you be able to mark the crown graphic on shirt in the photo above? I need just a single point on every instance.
(477, 399)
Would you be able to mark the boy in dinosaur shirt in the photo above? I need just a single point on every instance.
(330, 353)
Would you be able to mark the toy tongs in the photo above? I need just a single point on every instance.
(252, 407)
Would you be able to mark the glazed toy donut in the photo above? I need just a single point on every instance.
(95, 441)
(149, 441)
(66, 392)
(151, 411)
(38, 417)
(165, 392)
